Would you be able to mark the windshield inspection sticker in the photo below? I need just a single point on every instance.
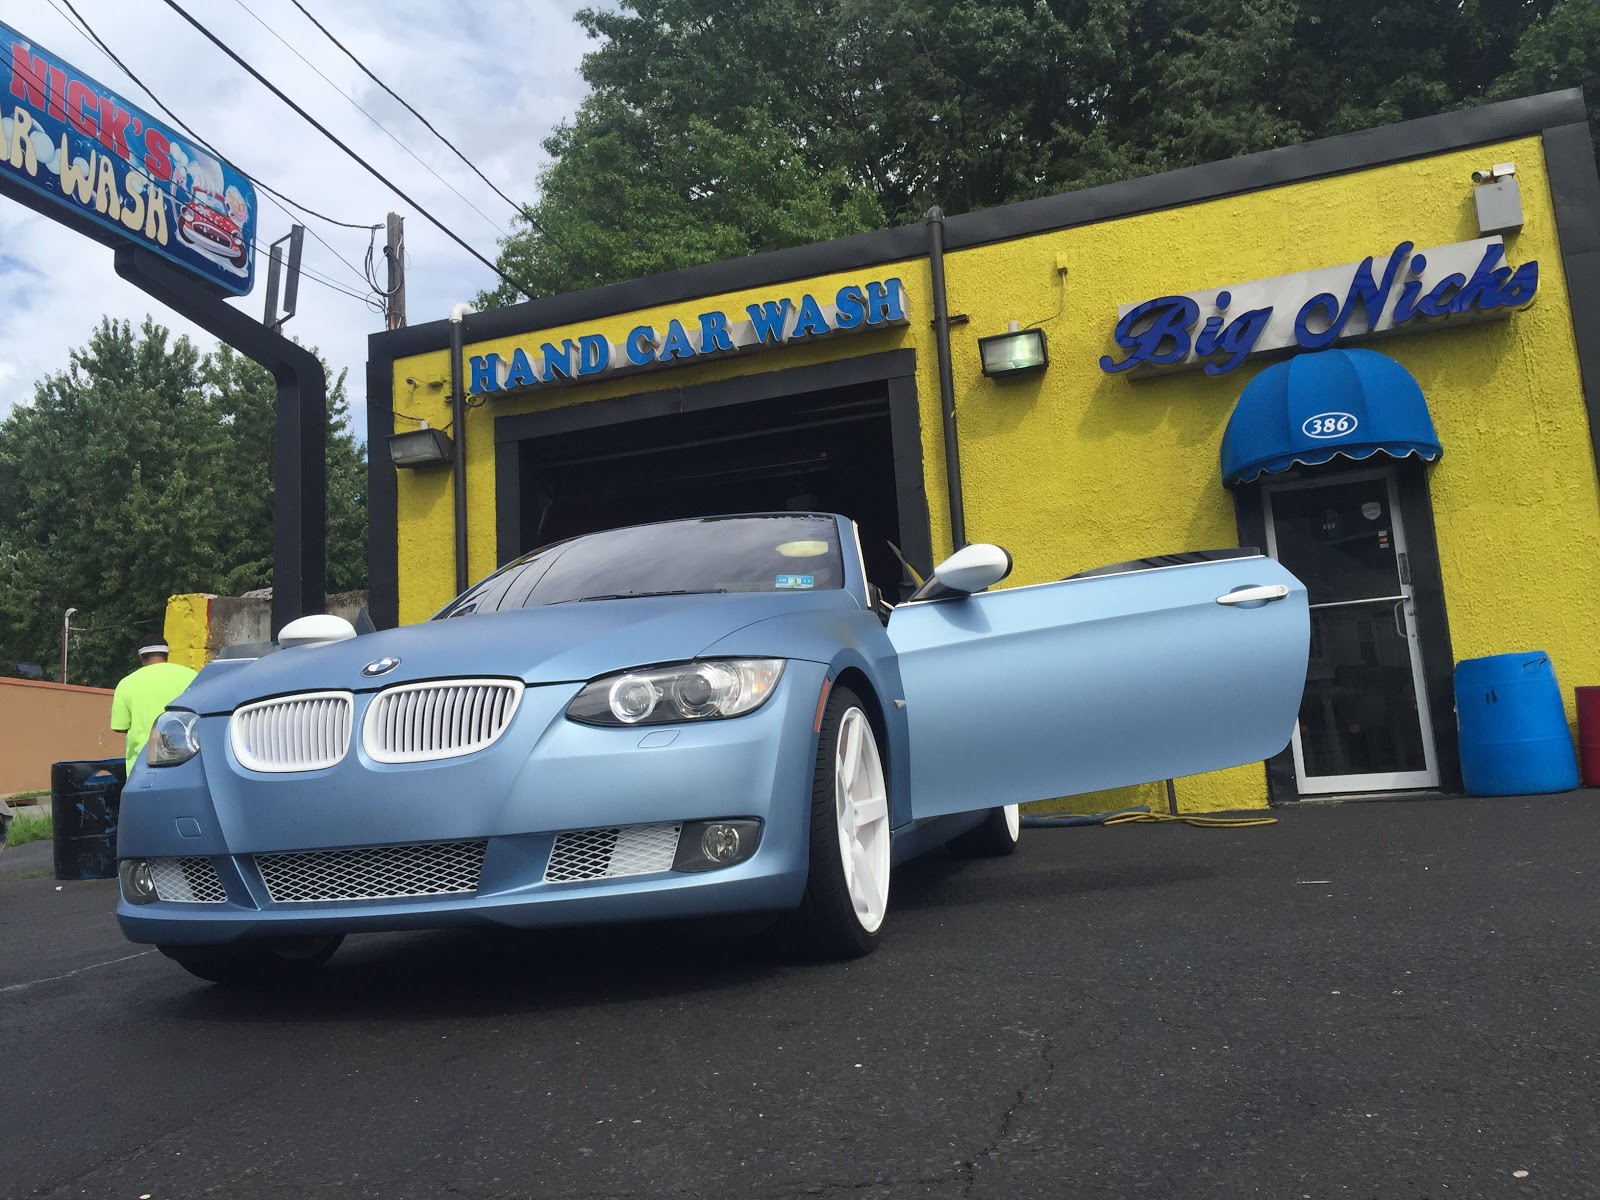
(796, 581)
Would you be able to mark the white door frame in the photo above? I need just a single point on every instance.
(1405, 601)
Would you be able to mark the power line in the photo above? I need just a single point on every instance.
(312, 231)
(356, 104)
(522, 209)
(350, 54)
(99, 42)
(318, 277)
(303, 207)
(272, 193)
(327, 133)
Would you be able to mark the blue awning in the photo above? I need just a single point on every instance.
(1314, 408)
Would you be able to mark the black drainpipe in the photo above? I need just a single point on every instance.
(947, 386)
(458, 423)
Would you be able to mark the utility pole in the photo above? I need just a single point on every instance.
(394, 253)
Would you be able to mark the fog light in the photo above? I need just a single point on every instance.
(712, 845)
(720, 843)
(138, 885)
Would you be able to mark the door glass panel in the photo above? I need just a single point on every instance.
(1359, 713)
(1339, 539)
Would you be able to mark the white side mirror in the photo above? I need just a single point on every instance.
(973, 568)
(308, 631)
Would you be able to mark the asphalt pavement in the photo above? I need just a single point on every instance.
(1364, 1000)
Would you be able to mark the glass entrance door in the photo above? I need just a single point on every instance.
(1364, 723)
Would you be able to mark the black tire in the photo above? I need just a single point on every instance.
(256, 964)
(826, 925)
(992, 839)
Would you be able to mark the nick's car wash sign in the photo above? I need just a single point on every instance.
(764, 325)
(1410, 289)
(65, 137)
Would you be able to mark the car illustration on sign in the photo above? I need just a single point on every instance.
(692, 718)
(206, 223)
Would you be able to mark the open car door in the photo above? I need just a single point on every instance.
(1099, 681)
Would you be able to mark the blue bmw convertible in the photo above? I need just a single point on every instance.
(687, 719)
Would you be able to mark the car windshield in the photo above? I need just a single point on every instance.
(774, 553)
(211, 202)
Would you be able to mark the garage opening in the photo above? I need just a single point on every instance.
(828, 450)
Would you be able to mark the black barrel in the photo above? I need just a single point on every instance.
(85, 798)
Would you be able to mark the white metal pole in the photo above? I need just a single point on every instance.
(66, 628)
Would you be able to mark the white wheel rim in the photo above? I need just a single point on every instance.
(1013, 820)
(861, 812)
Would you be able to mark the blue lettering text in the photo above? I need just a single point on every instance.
(1239, 339)
(714, 333)
(594, 354)
(521, 373)
(557, 360)
(1165, 340)
(811, 322)
(851, 306)
(1521, 288)
(1436, 303)
(885, 302)
(641, 345)
(676, 344)
(485, 370)
(768, 319)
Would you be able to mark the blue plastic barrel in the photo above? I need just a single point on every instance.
(1514, 735)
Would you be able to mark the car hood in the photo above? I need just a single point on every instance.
(554, 644)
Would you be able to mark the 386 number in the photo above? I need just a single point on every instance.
(1329, 425)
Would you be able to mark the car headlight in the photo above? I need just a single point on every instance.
(694, 691)
(173, 740)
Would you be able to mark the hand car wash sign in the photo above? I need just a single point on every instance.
(88, 151)
(766, 324)
(1408, 289)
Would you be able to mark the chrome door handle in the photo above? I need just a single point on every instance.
(1255, 595)
(1402, 628)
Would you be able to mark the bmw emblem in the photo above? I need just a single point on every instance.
(382, 667)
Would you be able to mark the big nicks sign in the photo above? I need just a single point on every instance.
(1407, 289)
(88, 151)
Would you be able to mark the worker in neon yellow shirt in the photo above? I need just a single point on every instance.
(142, 696)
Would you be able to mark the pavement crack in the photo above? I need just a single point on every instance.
(967, 1170)
(131, 1155)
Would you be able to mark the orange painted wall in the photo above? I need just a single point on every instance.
(42, 723)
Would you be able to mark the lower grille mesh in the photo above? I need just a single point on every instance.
(609, 853)
(372, 872)
(187, 880)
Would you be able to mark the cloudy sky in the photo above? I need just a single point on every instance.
(493, 75)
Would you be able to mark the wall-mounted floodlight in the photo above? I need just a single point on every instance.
(421, 447)
(1015, 350)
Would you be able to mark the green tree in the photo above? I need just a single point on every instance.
(624, 198)
(1560, 49)
(142, 470)
(714, 129)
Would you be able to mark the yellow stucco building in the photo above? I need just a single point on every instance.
(1455, 517)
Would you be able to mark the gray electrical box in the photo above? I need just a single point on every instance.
(1499, 206)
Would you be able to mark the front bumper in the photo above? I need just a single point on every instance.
(546, 776)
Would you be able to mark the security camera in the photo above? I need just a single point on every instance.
(1491, 174)
(1483, 177)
